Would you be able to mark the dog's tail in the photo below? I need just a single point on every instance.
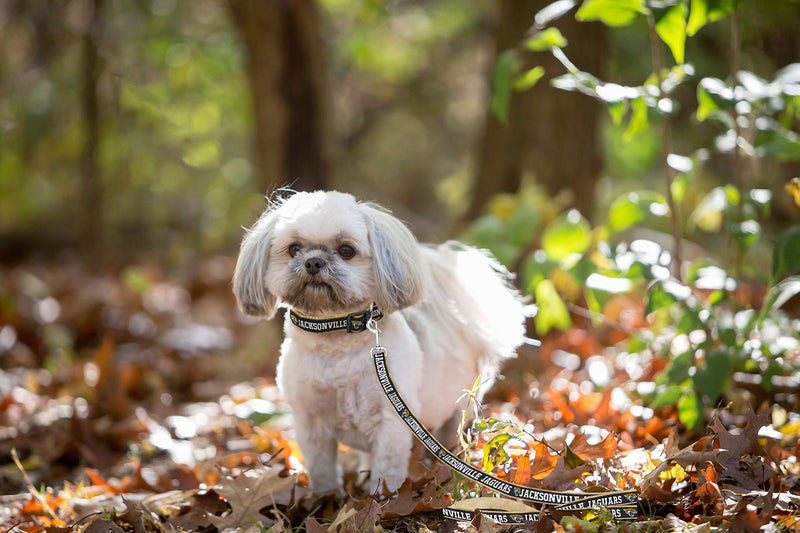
(482, 300)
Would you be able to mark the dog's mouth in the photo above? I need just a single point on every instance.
(317, 286)
(314, 296)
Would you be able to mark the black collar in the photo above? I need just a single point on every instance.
(352, 323)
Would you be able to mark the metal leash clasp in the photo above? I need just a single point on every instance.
(372, 325)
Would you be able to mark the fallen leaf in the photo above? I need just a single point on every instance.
(571, 459)
(247, 494)
(102, 525)
(313, 526)
(604, 449)
(741, 455)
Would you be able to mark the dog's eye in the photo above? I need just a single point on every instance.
(294, 249)
(346, 251)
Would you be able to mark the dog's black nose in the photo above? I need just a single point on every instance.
(314, 265)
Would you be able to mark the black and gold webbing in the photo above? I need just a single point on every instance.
(621, 504)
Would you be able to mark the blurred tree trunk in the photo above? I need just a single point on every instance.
(293, 142)
(92, 236)
(551, 134)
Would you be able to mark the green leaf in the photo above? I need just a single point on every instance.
(568, 234)
(489, 425)
(617, 110)
(690, 411)
(776, 141)
(671, 27)
(552, 311)
(525, 81)
(706, 11)
(494, 452)
(202, 154)
(678, 369)
(633, 208)
(611, 12)
(706, 106)
(536, 267)
(522, 224)
(505, 252)
(786, 254)
(745, 233)
(662, 294)
(508, 63)
(546, 39)
(486, 230)
(669, 396)
(713, 95)
(712, 378)
(639, 121)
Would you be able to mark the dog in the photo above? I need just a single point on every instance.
(449, 316)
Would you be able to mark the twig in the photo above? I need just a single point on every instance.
(35, 493)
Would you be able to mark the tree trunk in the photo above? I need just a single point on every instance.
(92, 236)
(293, 142)
(551, 134)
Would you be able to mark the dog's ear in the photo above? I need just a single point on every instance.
(396, 260)
(249, 278)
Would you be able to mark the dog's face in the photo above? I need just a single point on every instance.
(320, 258)
(323, 253)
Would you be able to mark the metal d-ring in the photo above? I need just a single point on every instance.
(372, 325)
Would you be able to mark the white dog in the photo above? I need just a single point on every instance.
(449, 316)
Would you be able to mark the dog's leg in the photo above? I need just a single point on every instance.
(390, 453)
(318, 446)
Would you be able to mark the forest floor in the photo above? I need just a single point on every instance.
(142, 402)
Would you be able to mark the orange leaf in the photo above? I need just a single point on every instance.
(561, 405)
(523, 473)
(604, 449)
(709, 473)
(543, 461)
(95, 477)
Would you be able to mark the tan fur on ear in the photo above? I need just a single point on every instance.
(249, 278)
(396, 260)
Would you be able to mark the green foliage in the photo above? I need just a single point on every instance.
(546, 40)
(552, 311)
(635, 208)
(568, 234)
(705, 11)
(786, 254)
(611, 12)
(699, 325)
(671, 27)
(507, 65)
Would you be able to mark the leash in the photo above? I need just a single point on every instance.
(621, 504)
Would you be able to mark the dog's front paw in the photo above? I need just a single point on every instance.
(386, 481)
(393, 483)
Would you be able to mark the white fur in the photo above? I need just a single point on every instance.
(449, 316)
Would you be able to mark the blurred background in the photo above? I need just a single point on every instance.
(138, 129)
